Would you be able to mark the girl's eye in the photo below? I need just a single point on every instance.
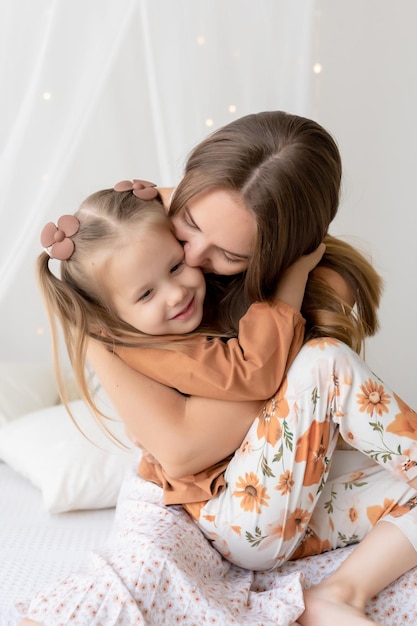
(177, 267)
(145, 296)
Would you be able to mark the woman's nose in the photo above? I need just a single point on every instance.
(194, 254)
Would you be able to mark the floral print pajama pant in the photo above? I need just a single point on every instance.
(278, 504)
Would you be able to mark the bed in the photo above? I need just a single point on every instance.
(60, 530)
(37, 547)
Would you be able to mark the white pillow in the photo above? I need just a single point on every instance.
(25, 387)
(71, 472)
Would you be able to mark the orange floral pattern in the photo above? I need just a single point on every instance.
(269, 426)
(296, 523)
(322, 343)
(399, 511)
(312, 449)
(276, 501)
(311, 544)
(285, 482)
(253, 494)
(269, 422)
(377, 511)
(373, 398)
(405, 422)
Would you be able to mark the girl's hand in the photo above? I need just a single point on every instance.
(293, 282)
(308, 262)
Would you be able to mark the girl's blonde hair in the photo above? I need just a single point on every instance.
(287, 169)
(78, 301)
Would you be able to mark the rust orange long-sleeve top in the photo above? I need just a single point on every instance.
(249, 367)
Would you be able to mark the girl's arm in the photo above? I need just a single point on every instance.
(185, 435)
(249, 367)
(246, 368)
(292, 285)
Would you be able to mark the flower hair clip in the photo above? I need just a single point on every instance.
(56, 239)
(142, 189)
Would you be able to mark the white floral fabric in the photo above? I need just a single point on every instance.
(158, 569)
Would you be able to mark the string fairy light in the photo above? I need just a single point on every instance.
(209, 122)
(47, 95)
(317, 66)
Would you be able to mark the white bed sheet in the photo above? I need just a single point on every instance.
(180, 576)
(36, 547)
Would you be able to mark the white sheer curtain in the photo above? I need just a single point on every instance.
(98, 90)
(54, 71)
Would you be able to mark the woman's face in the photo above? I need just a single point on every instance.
(218, 232)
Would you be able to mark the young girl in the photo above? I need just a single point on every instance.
(124, 281)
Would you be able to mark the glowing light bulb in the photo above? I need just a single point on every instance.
(40, 330)
(201, 40)
(317, 68)
(209, 122)
(47, 95)
(232, 108)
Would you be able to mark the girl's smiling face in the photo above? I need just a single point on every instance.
(152, 288)
(217, 231)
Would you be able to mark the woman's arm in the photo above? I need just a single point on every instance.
(185, 435)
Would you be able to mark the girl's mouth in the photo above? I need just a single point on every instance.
(186, 313)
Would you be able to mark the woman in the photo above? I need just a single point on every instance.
(255, 196)
(272, 183)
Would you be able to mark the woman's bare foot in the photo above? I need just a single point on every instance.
(324, 607)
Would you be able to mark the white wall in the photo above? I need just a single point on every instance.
(367, 96)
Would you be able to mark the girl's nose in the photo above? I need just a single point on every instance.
(176, 294)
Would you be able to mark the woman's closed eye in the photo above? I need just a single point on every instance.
(187, 221)
(231, 259)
